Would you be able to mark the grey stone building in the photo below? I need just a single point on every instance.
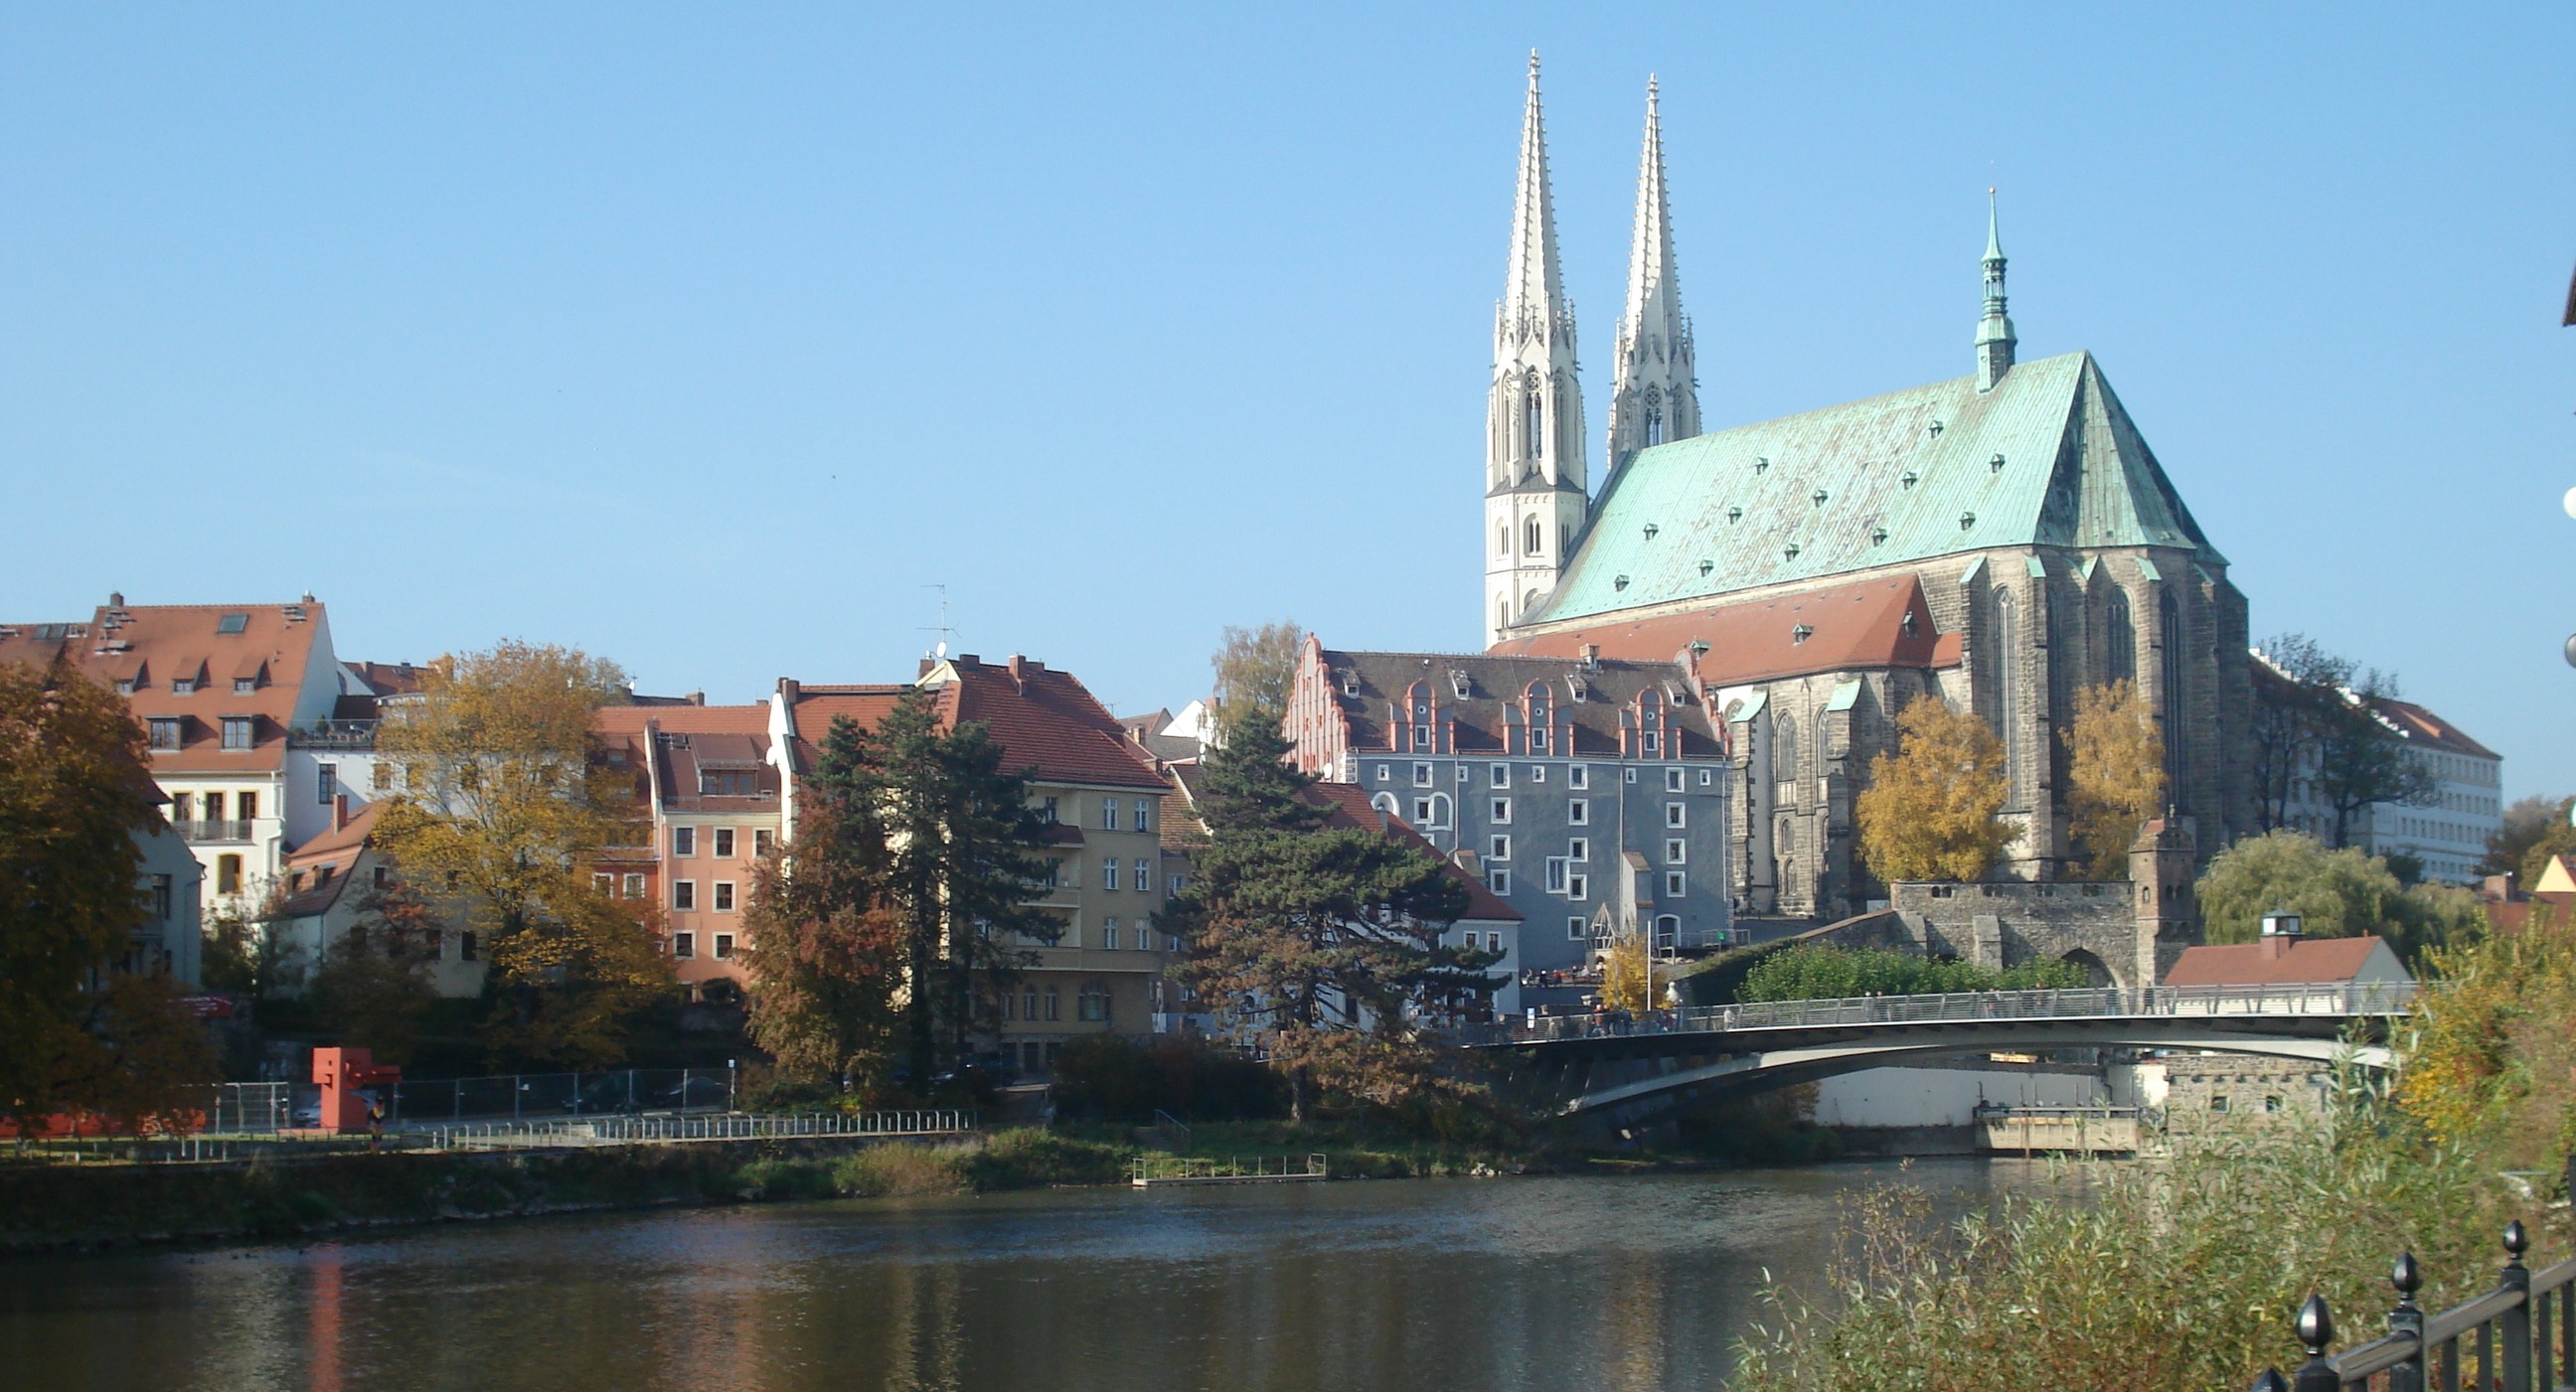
(1591, 795)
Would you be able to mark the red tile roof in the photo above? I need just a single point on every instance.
(1852, 626)
(1042, 718)
(2424, 727)
(151, 645)
(2257, 964)
(1351, 808)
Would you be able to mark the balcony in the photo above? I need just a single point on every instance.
(333, 734)
(215, 833)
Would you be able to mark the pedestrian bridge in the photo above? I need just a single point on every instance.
(1605, 1060)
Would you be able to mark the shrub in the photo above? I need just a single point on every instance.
(1102, 1077)
(1832, 973)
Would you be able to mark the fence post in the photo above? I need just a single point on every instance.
(2316, 1330)
(2514, 1326)
(2407, 1318)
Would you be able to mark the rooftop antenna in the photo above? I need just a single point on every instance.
(943, 630)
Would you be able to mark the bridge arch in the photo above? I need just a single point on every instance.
(2096, 971)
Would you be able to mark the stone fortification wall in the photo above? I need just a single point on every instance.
(2005, 925)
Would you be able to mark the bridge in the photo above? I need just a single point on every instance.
(1599, 1061)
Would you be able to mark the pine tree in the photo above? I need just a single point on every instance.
(1326, 939)
(1930, 811)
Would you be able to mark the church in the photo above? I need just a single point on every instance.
(2002, 539)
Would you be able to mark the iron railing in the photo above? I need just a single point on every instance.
(333, 734)
(1171, 1169)
(2325, 999)
(2519, 1337)
(213, 831)
(615, 1130)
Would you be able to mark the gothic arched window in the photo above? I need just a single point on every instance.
(2007, 659)
(2119, 639)
(1503, 612)
(2174, 698)
(1502, 538)
(1654, 416)
(1784, 750)
(1537, 706)
(1533, 536)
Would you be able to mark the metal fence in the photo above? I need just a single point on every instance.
(537, 1096)
(2518, 1337)
(647, 1130)
(1172, 1169)
(2334, 999)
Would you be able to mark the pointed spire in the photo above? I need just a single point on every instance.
(1995, 340)
(1534, 291)
(1655, 398)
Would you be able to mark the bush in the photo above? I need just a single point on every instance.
(1832, 973)
(1102, 1077)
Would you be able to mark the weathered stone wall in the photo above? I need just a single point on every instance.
(2241, 1092)
(2007, 924)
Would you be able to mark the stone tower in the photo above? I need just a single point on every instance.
(1656, 395)
(1995, 331)
(1535, 486)
(2161, 864)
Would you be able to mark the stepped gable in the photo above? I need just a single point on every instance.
(1483, 694)
(1905, 477)
(1869, 624)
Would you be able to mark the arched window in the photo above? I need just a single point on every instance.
(2119, 639)
(2174, 697)
(1417, 706)
(1529, 602)
(2007, 660)
(1537, 705)
(1502, 538)
(1534, 416)
(1093, 1004)
(1654, 416)
(1784, 750)
(1824, 749)
(1533, 536)
(1503, 612)
(1385, 802)
(1650, 723)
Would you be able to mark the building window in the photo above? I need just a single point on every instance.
(684, 944)
(1109, 933)
(228, 876)
(381, 776)
(1672, 780)
(1109, 872)
(1144, 877)
(183, 686)
(1499, 880)
(684, 841)
(724, 843)
(165, 734)
(1708, 778)
(125, 686)
(1054, 1003)
(763, 841)
(1578, 812)
(161, 897)
(1047, 811)
(1530, 538)
(634, 885)
(1578, 849)
(1498, 848)
(237, 732)
(1144, 815)
(1578, 777)
(1676, 884)
(326, 782)
(1177, 881)
(1422, 775)
(1632, 775)
(2007, 660)
(1668, 931)
(724, 946)
(605, 883)
(724, 896)
(1422, 812)
(1784, 749)
(2218, 1102)
(684, 894)
(1575, 931)
(1676, 814)
(1538, 773)
(1109, 816)
(1094, 1002)
(1676, 851)
(1556, 874)
(469, 946)
(1500, 775)
(2271, 1104)
(2119, 639)
(1502, 809)
(1385, 774)
(1578, 886)
(178, 808)
(246, 806)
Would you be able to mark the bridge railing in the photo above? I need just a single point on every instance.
(2341, 999)
(2518, 1337)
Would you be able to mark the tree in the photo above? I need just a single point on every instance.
(2527, 822)
(1328, 940)
(372, 988)
(75, 791)
(2320, 727)
(2115, 775)
(824, 956)
(1255, 667)
(1625, 972)
(1930, 810)
(2336, 894)
(1813, 972)
(504, 800)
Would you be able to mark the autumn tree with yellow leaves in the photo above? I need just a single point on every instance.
(2115, 775)
(1931, 809)
(505, 800)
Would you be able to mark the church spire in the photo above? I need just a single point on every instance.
(1536, 493)
(1994, 332)
(1656, 396)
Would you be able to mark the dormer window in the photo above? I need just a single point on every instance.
(183, 686)
(1801, 634)
(1734, 515)
(1458, 684)
(1906, 624)
(1541, 712)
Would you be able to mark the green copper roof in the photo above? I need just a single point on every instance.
(2047, 458)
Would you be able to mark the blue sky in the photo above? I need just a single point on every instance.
(707, 337)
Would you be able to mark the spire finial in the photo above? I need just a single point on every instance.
(1995, 332)
(1655, 396)
(1994, 244)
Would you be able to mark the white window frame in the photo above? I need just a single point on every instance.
(1422, 775)
(684, 889)
(1498, 878)
(1498, 846)
(1423, 808)
(723, 900)
(724, 840)
(1502, 810)
(1556, 872)
(1578, 849)
(1673, 780)
(1385, 774)
(1708, 778)
(1632, 775)
(764, 840)
(1144, 820)
(1576, 930)
(1538, 773)
(1578, 776)
(1109, 814)
(1143, 871)
(684, 842)
(724, 947)
(634, 884)
(684, 944)
(1677, 815)
(1109, 872)
(1676, 850)
(1578, 812)
(1676, 884)
(1109, 933)
(1499, 775)
(1577, 887)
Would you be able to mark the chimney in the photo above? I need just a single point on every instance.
(791, 689)
(967, 660)
(1591, 657)
(2280, 934)
(697, 698)
(1020, 669)
(116, 599)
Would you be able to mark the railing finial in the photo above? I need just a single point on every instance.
(2516, 1242)
(2407, 1279)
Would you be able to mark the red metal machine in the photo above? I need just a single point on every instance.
(342, 1072)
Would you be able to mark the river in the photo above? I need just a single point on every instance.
(1622, 1284)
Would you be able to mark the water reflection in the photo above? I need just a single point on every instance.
(1622, 1284)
